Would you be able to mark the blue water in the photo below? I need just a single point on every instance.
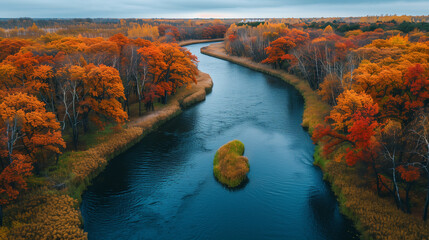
(164, 188)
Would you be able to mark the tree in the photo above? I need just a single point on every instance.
(90, 89)
(420, 133)
(71, 95)
(328, 30)
(11, 46)
(144, 31)
(127, 59)
(216, 31)
(170, 33)
(168, 66)
(29, 134)
(355, 128)
(330, 88)
(152, 66)
(103, 88)
(180, 69)
(105, 52)
(278, 50)
(391, 137)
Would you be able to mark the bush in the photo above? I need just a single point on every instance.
(229, 165)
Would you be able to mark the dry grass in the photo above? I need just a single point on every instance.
(88, 161)
(45, 216)
(195, 41)
(229, 165)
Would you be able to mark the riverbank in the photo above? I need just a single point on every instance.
(195, 41)
(374, 217)
(52, 210)
(314, 110)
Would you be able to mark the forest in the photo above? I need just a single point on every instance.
(57, 89)
(63, 81)
(164, 30)
(375, 77)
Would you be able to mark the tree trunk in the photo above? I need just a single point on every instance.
(128, 107)
(147, 106)
(140, 107)
(377, 180)
(407, 197)
(425, 212)
(2, 164)
(85, 121)
(75, 137)
(164, 99)
(396, 190)
(1, 215)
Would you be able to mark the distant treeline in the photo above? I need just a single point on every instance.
(342, 27)
(183, 29)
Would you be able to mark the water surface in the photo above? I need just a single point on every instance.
(164, 188)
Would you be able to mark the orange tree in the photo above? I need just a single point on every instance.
(352, 125)
(95, 89)
(28, 134)
(278, 50)
(168, 67)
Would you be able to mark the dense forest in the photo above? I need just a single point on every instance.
(54, 89)
(150, 29)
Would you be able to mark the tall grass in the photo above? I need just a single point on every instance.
(229, 165)
(44, 214)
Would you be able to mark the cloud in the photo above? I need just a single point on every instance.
(198, 8)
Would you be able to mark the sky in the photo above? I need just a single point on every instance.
(208, 8)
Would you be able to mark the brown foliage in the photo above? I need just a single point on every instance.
(46, 216)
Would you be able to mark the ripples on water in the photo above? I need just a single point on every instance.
(164, 188)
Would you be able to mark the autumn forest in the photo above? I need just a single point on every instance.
(76, 93)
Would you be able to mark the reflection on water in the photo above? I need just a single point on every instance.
(164, 188)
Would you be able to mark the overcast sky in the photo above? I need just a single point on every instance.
(208, 8)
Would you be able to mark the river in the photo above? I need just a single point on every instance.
(164, 188)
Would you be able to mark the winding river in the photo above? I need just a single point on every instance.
(164, 188)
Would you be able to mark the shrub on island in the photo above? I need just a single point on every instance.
(230, 167)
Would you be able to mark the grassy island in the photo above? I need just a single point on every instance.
(230, 167)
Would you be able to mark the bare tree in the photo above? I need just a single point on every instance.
(421, 133)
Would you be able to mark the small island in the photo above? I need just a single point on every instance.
(230, 167)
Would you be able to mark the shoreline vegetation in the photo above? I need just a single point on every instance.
(374, 217)
(230, 167)
(52, 211)
(196, 41)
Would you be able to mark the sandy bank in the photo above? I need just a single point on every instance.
(195, 41)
